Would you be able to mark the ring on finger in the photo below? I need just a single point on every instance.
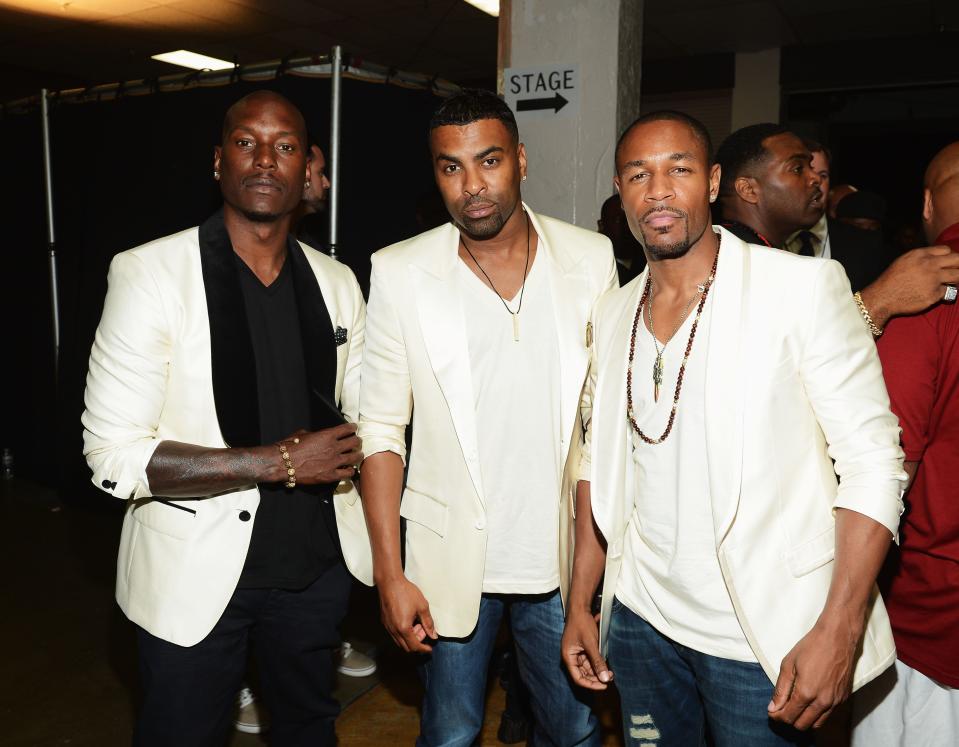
(951, 294)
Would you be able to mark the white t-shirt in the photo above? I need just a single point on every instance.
(670, 575)
(516, 389)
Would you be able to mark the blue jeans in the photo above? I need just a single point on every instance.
(454, 676)
(672, 695)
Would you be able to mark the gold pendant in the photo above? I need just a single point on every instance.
(657, 376)
(515, 326)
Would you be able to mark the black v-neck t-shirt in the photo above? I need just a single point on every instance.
(291, 544)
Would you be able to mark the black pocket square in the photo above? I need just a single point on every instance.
(339, 336)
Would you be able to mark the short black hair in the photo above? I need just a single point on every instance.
(814, 146)
(743, 150)
(669, 115)
(471, 105)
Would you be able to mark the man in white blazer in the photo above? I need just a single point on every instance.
(211, 410)
(725, 381)
(477, 328)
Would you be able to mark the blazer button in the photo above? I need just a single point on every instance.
(480, 524)
(244, 515)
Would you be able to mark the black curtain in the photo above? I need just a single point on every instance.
(138, 168)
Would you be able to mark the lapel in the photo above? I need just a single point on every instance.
(611, 444)
(316, 331)
(231, 351)
(726, 381)
(571, 296)
(443, 325)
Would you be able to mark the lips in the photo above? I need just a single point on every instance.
(660, 218)
(262, 183)
(479, 210)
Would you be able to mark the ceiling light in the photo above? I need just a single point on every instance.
(487, 6)
(183, 58)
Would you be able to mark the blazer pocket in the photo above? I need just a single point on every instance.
(422, 509)
(812, 554)
(166, 517)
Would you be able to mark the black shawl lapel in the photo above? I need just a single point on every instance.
(231, 351)
(316, 330)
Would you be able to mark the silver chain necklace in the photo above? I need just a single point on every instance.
(522, 290)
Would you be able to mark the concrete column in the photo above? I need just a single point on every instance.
(594, 49)
(756, 95)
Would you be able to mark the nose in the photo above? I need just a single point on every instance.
(474, 184)
(658, 188)
(264, 157)
(326, 182)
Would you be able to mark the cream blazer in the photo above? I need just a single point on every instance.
(416, 360)
(793, 382)
(152, 378)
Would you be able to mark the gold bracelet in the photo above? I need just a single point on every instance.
(288, 463)
(866, 316)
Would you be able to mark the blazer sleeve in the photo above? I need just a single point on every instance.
(126, 380)
(386, 396)
(841, 373)
(586, 403)
(350, 394)
(611, 282)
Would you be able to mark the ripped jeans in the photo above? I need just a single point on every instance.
(673, 696)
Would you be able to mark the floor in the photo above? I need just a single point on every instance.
(69, 675)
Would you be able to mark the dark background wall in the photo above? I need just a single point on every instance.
(129, 171)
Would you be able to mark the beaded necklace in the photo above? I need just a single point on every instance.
(682, 369)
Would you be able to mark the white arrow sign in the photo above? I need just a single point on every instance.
(546, 91)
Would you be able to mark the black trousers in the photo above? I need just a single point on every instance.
(190, 692)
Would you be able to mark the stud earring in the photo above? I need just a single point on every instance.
(216, 174)
(712, 198)
(306, 185)
(524, 177)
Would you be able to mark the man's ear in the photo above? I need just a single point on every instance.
(715, 176)
(747, 188)
(927, 209)
(217, 155)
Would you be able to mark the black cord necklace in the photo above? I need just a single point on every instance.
(522, 290)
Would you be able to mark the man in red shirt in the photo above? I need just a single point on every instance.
(917, 702)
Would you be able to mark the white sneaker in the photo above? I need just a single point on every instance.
(251, 717)
(352, 663)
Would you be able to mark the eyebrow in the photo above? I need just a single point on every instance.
(478, 157)
(799, 157)
(684, 155)
(281, 133)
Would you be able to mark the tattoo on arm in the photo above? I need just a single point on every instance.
(184, 470)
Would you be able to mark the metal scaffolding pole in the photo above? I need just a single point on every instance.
(51, 235)
(337, 78)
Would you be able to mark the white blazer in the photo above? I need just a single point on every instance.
(416, 359)
(172, 361)
(793, 382)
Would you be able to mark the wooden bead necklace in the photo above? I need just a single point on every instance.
(682, 369)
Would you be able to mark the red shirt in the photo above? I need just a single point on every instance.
(920, 361)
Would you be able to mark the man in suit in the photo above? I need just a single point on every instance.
(211, 410)
(863, 254)
(770, 189)
(733, 560)
(477, 327)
